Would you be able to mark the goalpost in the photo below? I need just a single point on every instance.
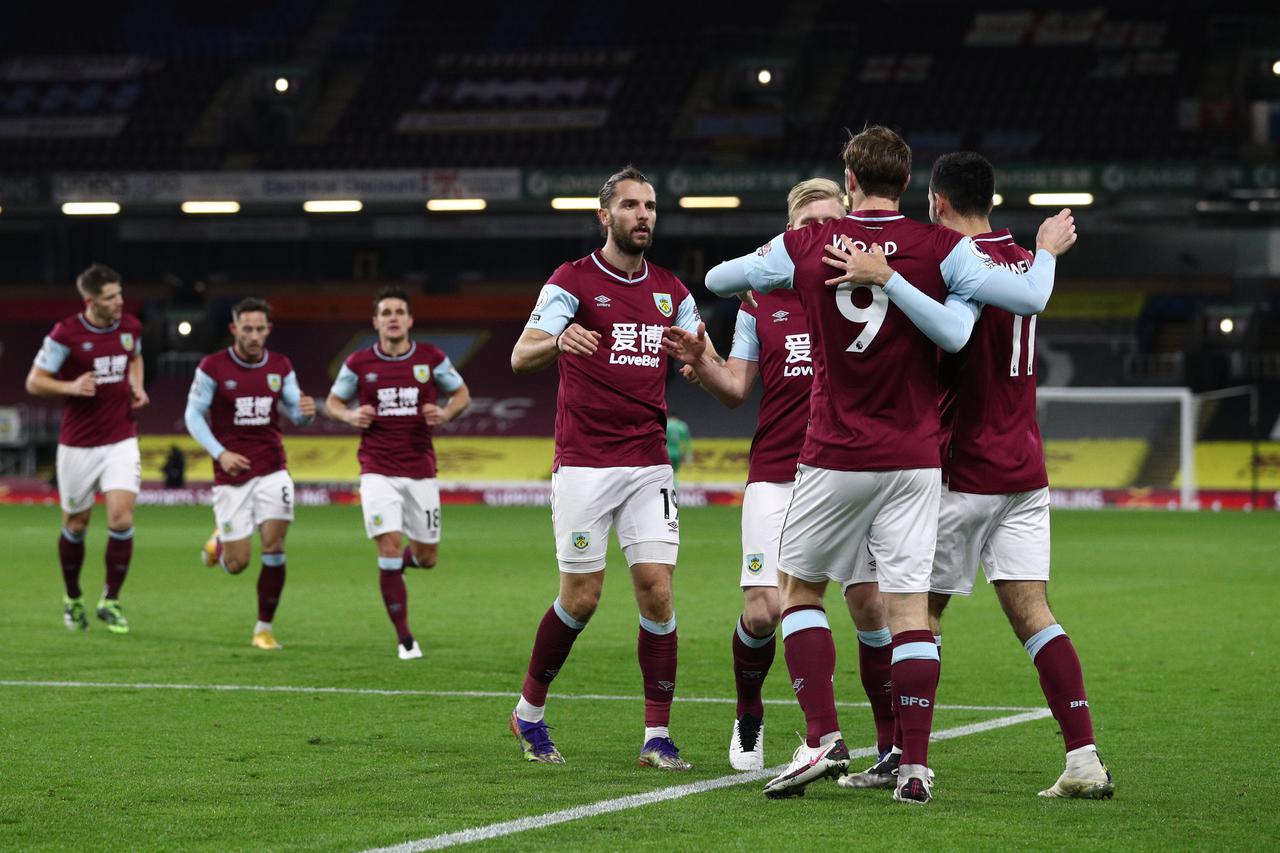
(1142, 411)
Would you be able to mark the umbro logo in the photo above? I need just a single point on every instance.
(230, 384)
(780, 316)
(603, 301)
(371, 377)
(86, 346)
(797, 685)
(667, 685)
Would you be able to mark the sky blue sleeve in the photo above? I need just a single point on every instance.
(687, 316)
(346, 385)
(199, 399)
(768, 268)
(746, 343)
(290, 395)
(554, 310)
(446, 376)
(968, 270)
(948, 324)
(1021, 294)
(52, 355)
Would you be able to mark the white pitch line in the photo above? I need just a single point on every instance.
(444, 694)
(634, 801)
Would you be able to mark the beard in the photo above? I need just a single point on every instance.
(629, 243)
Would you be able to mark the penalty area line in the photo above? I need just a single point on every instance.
(440, 694)
(676, 792)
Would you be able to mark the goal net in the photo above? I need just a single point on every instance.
(1120, 445)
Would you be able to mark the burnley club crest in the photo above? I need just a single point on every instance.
(663, 301)
(274, 381)
(422, 372)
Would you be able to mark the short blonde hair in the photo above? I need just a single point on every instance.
(807, 192)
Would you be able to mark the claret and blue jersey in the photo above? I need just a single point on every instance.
(875, 401)
(611, 406)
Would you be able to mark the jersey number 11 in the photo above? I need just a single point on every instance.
(1016, 359)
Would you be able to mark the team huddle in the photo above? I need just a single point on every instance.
(896, 448)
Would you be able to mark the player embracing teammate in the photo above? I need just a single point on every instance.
(995, 499)
(771, 341)
(870, 465)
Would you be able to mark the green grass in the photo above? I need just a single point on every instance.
(1173, 616)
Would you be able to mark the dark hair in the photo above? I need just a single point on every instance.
(628, 173)
(392, 291)
(967, 180)
(248, 305)
(97, 276)
(881, 161)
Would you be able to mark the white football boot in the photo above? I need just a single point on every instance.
(1086, 778)
(746, 747)
(808, 764)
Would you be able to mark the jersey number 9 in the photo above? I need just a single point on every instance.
(872, 315)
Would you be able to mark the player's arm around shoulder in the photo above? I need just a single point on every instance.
(767, 268)
(971, 274)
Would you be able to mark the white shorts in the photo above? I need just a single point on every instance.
(241, 508)
(833, 512)
(83, 471)
(401, 505)
(1009, 534)
(763, 507)
(638, 502)
(864, 568)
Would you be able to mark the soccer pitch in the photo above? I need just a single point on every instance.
(181, 736)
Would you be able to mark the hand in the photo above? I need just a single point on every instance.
(748, 298)
(683, 346)
(577, 340)
(307, 406)
(84, 385)
(434, 415)
(1057, 233)
(361, 418)
(859, 267)
(138, 397)
(233, 463)
(690, 375)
